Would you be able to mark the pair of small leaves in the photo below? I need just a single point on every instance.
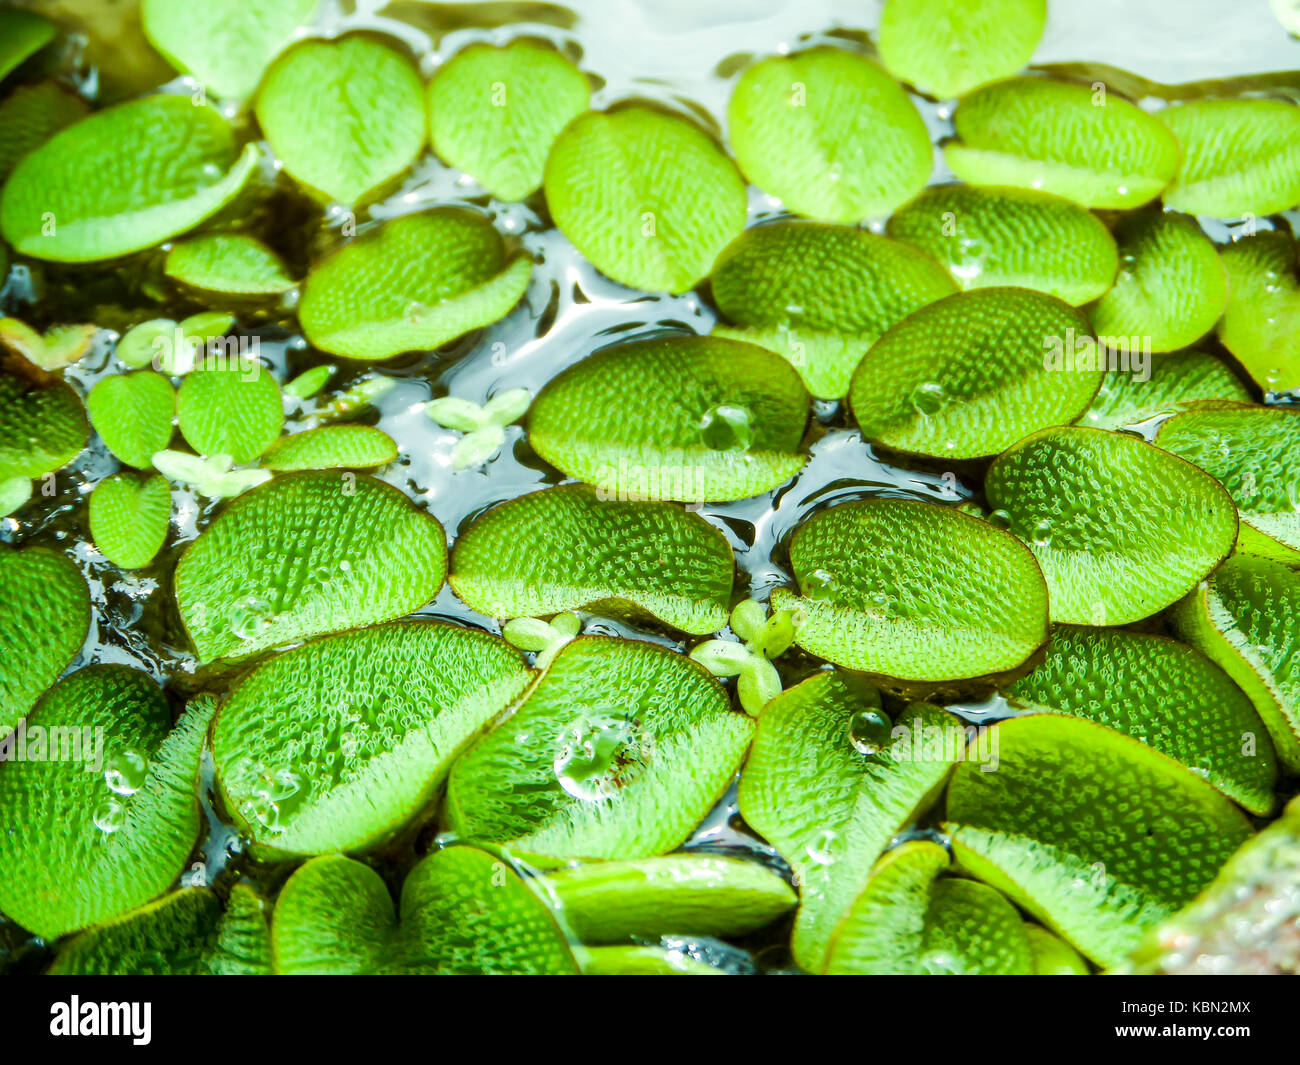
(228, 264)
(1261, 322)
(484, 425)
(764, 638)
(177, 348)
(617, 752)
(130, 517)
(134, 413)
(566, 548)
(213, 477)
(685, 418)
(60, 346)
(1176, 383)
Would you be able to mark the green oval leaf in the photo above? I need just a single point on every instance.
(913, 591)
(133, 413)
(1171, 286)
(1239, 157)
(23, 33)
(830, 781)
(47, 621)
(232, 264)
(304, 555)
(1053, 956)
(1261, 322)
(946, 50)
(413, 284)
(820, 295)
(333, 447)
(225, 44)
(495, 112)
(100, 800)
(235, 411)
(973, 373)
(346, 117)
(130, 517)
(830, 134)
(31, 115)
(1088, 145)
(990, 237)
(162, 165)
(42, 426)
(619, 751)
(340, 743)
(1092, 832)
(463, 912)
(1176, 383)
(1120, 528)
(1162, 693)
(686, 418)
(647, 196)
(565, 548)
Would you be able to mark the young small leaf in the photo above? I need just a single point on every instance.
(133, 413)
(231, 264)
(129, 518)
(333, 447)
(236, 411)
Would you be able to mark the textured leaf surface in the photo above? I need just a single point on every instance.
(463, 912)
(31, 115)
(830, 134)
(336, 745)
(1059, 137)
(565, 548)
(909, 921)
(914, 591)
(647, 196)
(44, 623)
(618, 752)
(235, 411)
(129, 518)
(345, 117)
(133, 413)
(1162, 693)
(1120, 528)
(1094, 833)
(414, 284)
(1261, 322)
(495, 112)
(1176, 383)
(970, 375)
(304, 555)
(1239, 157)
(341, 447)
(821, 295)
(946, 49)
(829, 807)
(1171, 286)
(225, 44)
(162, 165)
(86, 840)
(42, 427)
(1007, 236)
(229, 263)
(688, 418)
(1246, 617)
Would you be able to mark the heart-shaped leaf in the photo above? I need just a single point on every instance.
(100, 800)
(1254, 452)
(23, 33)
(910, 921)
(307, 554)
(41, 630)
(1094, 833)
(1239, 157)
(830, 134)
(975, 372)
(989, 237)
(346, 117)
(821, 295)
(463, 912)
(647, 196)
(225, 44)
(31, 115)
(495, 112)
(1162, 693)
(946, 50)
(42, 426)
(1261, 322)
(413, 284)
(232, 264)
(235, 411)
(1245, 618)
(340, 743)
(162, 165)
(186, 933)
(1087, 144)
(682, 894)
(619, 751)
(1171, 287)
(830, 781)
(1177, 382)
(333, 447)
(913, 591)
(565, 548)
(1120, 528)
(129, 518)
(688, 418)
(133, 413)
